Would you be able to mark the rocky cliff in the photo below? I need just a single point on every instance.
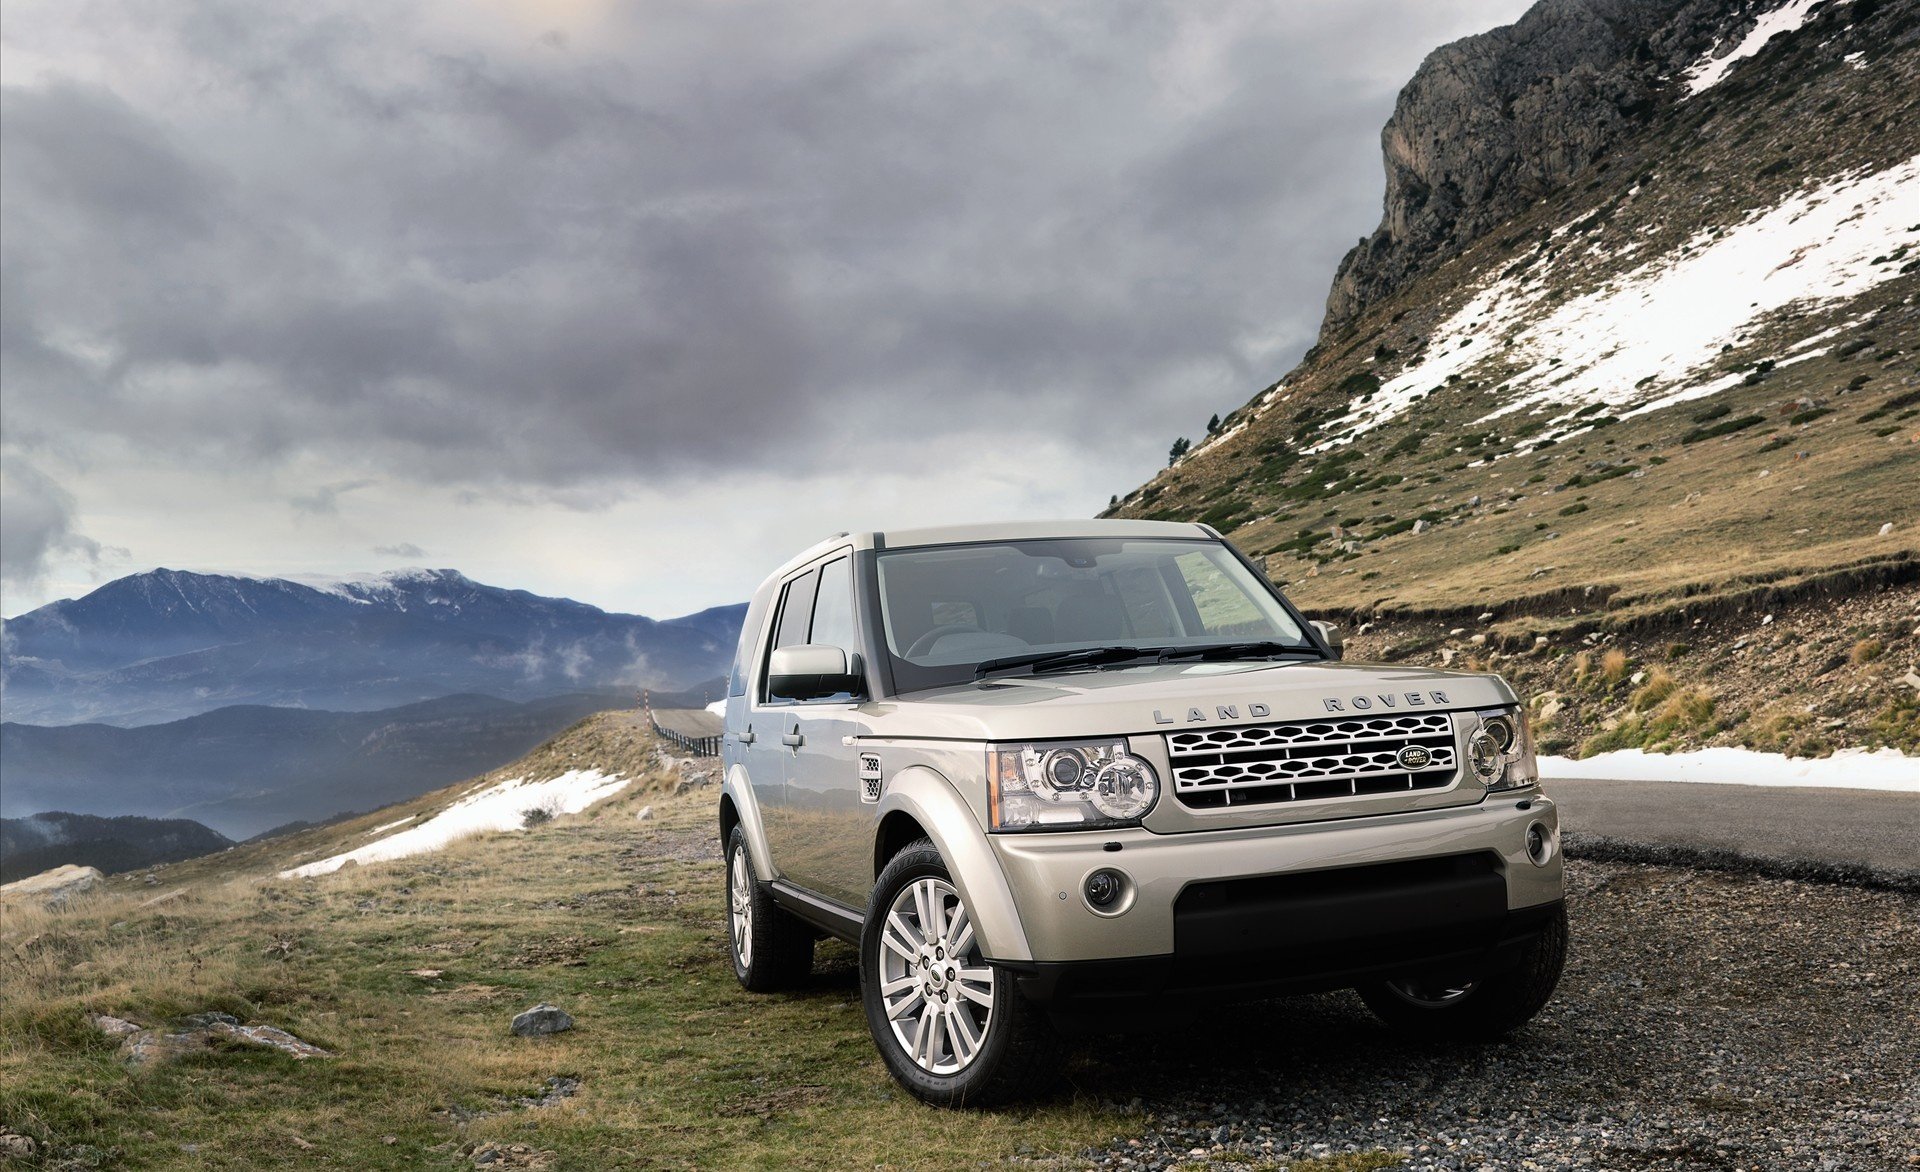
(1630, 372)
(1492, 123)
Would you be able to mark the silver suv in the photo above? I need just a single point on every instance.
(1096, 776)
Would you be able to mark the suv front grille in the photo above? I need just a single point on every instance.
(1268, 763)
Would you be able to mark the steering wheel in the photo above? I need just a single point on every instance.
(925, 643)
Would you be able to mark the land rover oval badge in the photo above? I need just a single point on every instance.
(1414, 757)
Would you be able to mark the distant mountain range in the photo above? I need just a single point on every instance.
(170, 644)
(248, 768)
(29, 846)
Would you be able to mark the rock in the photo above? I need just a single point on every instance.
(53, 889)
(1478, 640)
(14, 1146)
(645, 814)
(1486, 616)
(1637, 678)
(1766, 620)
(541, 1020)
(153, 1045)
(1550, 705)
(114, 1027)
(1886, 528)
(1419, 526)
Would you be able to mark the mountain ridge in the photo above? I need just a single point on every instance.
(167, 644)
(244, 769)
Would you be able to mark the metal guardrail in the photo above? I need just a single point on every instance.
(698, 746)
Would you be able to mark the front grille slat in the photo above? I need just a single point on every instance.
(1301, 760)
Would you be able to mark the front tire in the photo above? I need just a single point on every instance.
(1475, 1009)
(953, 1031)
(771, 949)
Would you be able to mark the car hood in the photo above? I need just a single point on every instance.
(1158, 698)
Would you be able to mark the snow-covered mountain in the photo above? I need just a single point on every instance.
(1630, 359)
(168, 644)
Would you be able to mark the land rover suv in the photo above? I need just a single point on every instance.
(1089, 777)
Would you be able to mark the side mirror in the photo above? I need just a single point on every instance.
(814, 671)
(1332, 635)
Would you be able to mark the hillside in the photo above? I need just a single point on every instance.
(245, 769)
(42, 842)
(169, 644)
(407, 972)
(1622, 399)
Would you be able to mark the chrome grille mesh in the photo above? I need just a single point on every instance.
(1268, 763)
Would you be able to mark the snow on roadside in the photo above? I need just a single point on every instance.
(1881, 769)
(1709, 70)
(718, 707)
(1640, 338)
(497, 807)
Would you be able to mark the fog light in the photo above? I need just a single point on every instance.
(1539, 844)
(1107, 892)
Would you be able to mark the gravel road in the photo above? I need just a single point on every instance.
(1707, 1020)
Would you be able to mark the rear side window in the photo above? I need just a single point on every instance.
(833, 607)
(796, 609)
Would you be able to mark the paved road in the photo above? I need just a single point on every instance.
(1859, 828)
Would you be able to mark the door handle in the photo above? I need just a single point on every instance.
(745, 738)
(794, 739)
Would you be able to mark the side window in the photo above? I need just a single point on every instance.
(833, 607)
(796, 609)
(1224, 608)
(750, 628)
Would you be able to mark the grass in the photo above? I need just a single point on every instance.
(617, 921)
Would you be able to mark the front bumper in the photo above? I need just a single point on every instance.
(1187, 888)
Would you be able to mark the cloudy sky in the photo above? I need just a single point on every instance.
(628, 302)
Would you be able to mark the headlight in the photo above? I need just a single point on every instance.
(1500, 750)
(1075, 786)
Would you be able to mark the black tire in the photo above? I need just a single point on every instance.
(778, 949)
(1494, 1005)
(1018, 1057)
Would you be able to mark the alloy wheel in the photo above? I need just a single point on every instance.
(938, 992)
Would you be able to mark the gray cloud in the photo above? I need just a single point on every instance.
(556, 265)
(36, 523)
(404, 549)
(325, 499)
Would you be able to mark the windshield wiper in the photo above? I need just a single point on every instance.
(1262, 649)
(1052, 660)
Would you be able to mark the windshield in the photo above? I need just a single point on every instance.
(948, 609)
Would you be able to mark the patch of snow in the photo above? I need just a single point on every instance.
(1630, 341)
(1710, 70)
(390, 825)
(718, 707)
(499, 807)
(1880, 769)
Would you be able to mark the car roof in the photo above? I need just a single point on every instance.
(997, 531)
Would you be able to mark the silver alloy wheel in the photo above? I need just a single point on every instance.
(740, 906)
(1431, 994)
(937, 991)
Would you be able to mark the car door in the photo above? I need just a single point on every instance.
(769, 727)
(829, 823)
